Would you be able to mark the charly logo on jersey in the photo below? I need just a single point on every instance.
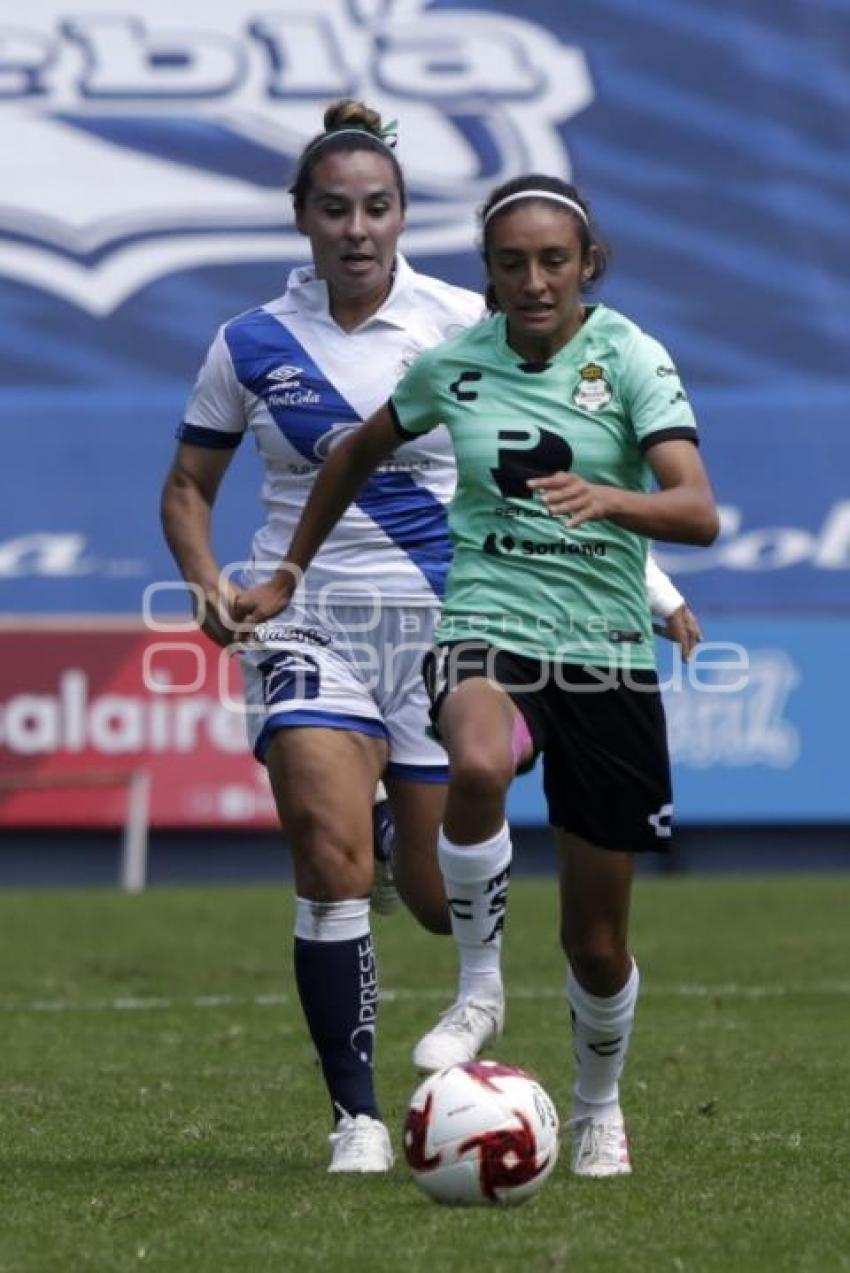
(593, 391)
(461, 387)
(662, 822)
(138, 142)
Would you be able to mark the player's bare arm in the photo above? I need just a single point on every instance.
(186, 508)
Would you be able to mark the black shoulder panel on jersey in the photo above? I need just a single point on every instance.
(397, 424)
(677, 434)
(213, 439)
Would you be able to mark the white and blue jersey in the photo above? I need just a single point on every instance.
(347, 653)
(288, 374)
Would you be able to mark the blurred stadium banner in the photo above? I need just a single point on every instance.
(85, 708)
(754, 733)
(146, 158)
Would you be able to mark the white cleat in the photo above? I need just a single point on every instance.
(600, 1147)
(460, 1034)
(384, 896)
(360, 1144)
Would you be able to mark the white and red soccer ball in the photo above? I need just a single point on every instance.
(481, 1133)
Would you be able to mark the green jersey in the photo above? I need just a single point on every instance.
(521, 578)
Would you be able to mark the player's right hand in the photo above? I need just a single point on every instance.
(264, 601)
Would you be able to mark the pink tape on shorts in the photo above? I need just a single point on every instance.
(521, 740)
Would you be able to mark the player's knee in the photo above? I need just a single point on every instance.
(330, 859)
(479, 774)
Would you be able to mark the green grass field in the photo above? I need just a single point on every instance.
(159, 1107)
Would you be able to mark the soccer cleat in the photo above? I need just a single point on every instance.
(360, 1144)
(600, 1147)
(460, 1034)
(384, 897)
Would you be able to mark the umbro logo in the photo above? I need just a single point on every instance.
(285, 375)
(465, 377)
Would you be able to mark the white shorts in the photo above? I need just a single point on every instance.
(350, 667)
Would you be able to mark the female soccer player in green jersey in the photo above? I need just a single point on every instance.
(575, 444)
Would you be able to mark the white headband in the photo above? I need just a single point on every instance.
(388, 142)
(536, 194)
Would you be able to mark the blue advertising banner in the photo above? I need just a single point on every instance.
(144, 202)
(756, 724)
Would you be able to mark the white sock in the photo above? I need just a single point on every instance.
(601, 1032)
(331, 921)
(476, 878)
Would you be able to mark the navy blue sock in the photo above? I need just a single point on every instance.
(338, 987)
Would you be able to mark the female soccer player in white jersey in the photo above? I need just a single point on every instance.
(561, 414)
(334, 691)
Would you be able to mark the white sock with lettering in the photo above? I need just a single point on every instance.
(476, 878)
(602, 1028)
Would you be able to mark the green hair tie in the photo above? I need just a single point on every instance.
(389, 133)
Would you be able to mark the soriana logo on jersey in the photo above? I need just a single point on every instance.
(140, 139)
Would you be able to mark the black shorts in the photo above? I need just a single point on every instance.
(601, 731)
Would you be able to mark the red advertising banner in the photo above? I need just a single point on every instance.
(88, 708)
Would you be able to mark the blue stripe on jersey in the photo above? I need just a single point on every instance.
(414, 520)
(272, 364)
(196, 435)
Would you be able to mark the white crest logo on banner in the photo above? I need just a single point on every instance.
(140, 139)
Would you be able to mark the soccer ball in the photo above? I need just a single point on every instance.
(481, 1133)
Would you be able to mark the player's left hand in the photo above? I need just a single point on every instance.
(682, 626)
(571, 497)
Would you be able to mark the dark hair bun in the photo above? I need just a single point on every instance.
(348, 113)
